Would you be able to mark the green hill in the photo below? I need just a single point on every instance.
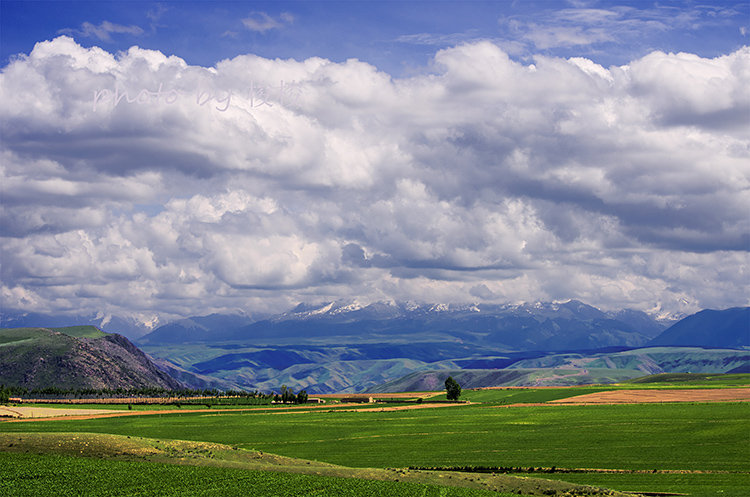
(81, 331)
(75, 358)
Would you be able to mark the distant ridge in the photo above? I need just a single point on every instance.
(728, 328)
(197, 329)
(579, 369)
(487, 378)
(536, 326)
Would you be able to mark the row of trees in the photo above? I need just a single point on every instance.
(91, 393)
(288, 397)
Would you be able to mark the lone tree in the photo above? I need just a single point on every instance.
(452, 388)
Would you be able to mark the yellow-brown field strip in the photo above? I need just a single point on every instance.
(660, 395)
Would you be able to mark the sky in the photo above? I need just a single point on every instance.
(162, 160)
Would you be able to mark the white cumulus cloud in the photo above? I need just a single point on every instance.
(136, 183)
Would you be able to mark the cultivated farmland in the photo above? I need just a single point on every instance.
(696, 448)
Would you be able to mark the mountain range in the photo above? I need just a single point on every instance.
(539, 326)
(344, 346)
(347, 347)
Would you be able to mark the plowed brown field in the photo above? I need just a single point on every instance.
(658, 395)
(46, 412)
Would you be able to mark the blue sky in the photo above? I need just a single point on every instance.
(397, 37)
(161, 160)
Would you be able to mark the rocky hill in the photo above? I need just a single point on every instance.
(76, 358)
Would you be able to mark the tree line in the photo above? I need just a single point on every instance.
(124, 392)
(87, 393)
(287, 395)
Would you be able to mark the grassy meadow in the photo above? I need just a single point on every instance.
(699, 449)
(57, 475)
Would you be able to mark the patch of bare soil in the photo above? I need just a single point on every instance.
(659, 395)
(25, 412)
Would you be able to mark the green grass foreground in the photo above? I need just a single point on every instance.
(695, 485)
(708, 438)
(94, 464)
(56, 475)
(699, 449)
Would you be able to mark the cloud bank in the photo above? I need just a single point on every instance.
(134, 183)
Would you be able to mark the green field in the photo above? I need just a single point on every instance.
(695, 485)
(504, 396)
(644, 437)
(96, 464)
(55, 475)
(696, 437)
(699, 449)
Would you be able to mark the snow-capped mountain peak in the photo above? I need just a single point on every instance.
(322, 310)
(354, 306)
